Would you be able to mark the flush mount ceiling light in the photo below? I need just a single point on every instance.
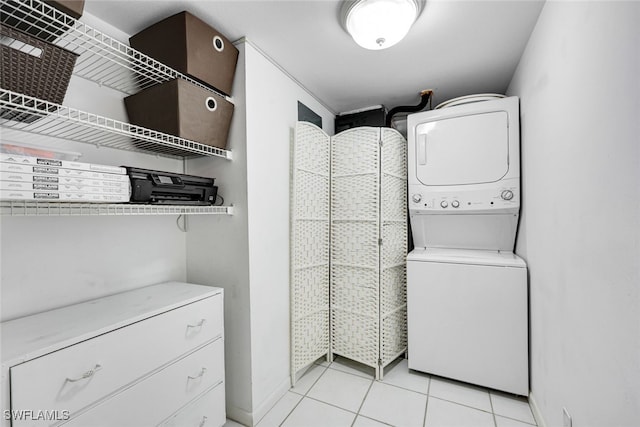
(379, 24)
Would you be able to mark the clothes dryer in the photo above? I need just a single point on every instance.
(467, 308)
(464, 175)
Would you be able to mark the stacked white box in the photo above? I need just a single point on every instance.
(34, 178)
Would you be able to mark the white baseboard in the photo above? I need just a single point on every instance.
(239, 415)
(252, 418)
(536, 411)
(270, 401)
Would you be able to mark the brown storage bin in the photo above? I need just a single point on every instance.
(37, 69)
(72, 8)
(180, 108)
(192, 47)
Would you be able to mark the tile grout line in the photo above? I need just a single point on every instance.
(346, 410)
(404, 388)
(462, 404)
(516, 419)
(270, 409)
(290, 412)
(372, 381)
(351, 373)
(303, 396)
(306, 396)
(426, 406)
(378, 421)
(362, 403)
(535, 424)
(493, 412)
(338, 407)
(330, 404)
(315, 382)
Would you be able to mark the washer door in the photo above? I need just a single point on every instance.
(462, 150)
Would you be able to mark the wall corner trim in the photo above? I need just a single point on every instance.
(536, 411)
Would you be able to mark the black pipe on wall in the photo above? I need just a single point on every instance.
(425, 95)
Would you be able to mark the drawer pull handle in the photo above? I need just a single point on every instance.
(86, 375)
(202, 371)
(198, 325)
(203, 422)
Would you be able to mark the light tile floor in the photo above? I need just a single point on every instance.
(344, 394)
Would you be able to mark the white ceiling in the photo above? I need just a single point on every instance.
(457, 47)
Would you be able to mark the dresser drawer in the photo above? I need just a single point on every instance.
(206, 411)
(76, 376)
(150, 401)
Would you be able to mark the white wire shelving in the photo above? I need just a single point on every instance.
(33, 208)
(28, 114)
(110, 63)
(103, 59)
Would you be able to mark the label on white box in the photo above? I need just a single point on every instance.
(38, 161)
(69, 180)
(62, 196)
(48, 186)
(49, 170)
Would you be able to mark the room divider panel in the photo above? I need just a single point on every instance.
(309, 246)
(365, 286)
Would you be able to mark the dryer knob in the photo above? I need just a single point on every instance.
(455, 204)
(444, 204)
(416, 198)
(507, 195)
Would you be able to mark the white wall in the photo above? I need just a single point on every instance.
(49, 262)
(580, 225)
(52, 262)
(218, 253)
(248, 253)
(272, 111)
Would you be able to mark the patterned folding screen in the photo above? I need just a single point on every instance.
(355, 252)
(393, 251)
(309, 291)
(362, 291)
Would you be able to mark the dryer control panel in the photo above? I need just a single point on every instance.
(504, 196)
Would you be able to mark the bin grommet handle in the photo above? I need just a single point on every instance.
(211, 103)
(218, 43)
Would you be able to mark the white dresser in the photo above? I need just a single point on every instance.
(147, 357)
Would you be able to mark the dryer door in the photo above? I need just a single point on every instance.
(463, 150)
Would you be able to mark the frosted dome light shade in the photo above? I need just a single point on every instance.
(379, 24)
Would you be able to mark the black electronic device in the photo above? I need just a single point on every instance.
(167, 188)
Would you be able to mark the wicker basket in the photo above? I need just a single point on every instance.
(33, 67)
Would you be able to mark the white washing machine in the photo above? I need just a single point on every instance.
(467, 317)
(466, 290)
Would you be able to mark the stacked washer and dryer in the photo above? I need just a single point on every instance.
(466, 290)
